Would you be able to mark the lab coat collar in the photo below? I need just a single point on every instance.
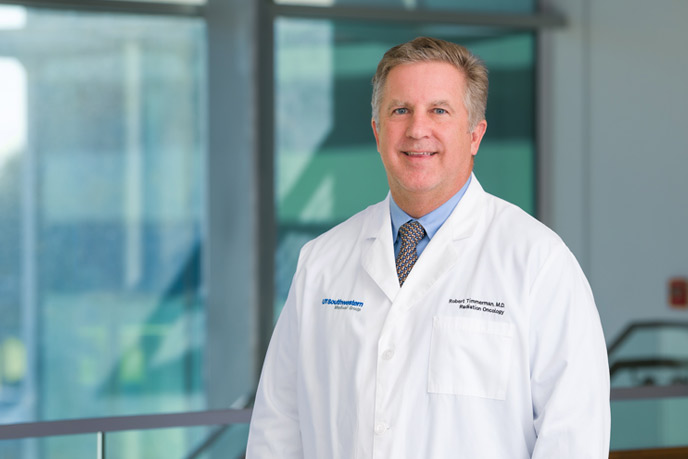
(378, 259)
(463, 221)
(437, 258)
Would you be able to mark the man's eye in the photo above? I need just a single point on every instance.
(400, 111)
(440, 111)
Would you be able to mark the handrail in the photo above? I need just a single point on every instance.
(226, 418)
(636, 325)
(120, 423)
(243, 416)
(649, 392)
(635, 364)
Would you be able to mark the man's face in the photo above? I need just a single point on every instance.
(423, 134)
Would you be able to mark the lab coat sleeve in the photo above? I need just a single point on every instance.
(274, 431)
(569, 368)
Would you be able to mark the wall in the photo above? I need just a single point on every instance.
(614, 159)
(618, 107)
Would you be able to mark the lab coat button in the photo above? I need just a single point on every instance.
(380, 428)
(388, 354)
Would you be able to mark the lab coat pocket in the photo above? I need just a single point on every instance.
(470, 357)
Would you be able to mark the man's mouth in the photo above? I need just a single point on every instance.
(419, 153)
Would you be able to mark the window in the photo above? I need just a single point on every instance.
(102, 217)
(326, 162)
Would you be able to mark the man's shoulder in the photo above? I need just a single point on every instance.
(514, 224)
(521, 241)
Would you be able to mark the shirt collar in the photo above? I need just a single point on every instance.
(431, 221)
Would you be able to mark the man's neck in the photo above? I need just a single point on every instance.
(417, 205)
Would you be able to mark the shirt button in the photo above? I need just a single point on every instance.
(380, 428)
(388, 354)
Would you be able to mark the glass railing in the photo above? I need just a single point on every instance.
(649, 377)
(650, 354)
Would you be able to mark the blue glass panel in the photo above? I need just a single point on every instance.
(101, 214)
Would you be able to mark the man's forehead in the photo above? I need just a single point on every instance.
(425, 66)
(424, 76)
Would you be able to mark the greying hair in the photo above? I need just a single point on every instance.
(426, 49)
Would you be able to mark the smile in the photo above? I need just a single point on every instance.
(419, 153)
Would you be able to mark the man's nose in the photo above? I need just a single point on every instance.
(419, 126)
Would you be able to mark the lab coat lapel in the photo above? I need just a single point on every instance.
(444, 249)
(378, 254)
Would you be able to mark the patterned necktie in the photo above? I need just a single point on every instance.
(410, 233)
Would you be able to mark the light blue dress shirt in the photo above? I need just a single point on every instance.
(431, 222)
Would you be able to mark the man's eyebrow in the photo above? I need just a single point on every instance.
(434, 103)
(441, 103)
(395, 102)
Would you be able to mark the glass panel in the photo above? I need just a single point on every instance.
(230, 444)
(67, 447)
(102, 147)
(226, 442)
(648, 424)
(498, 6)
(61, 447)
(327, 166)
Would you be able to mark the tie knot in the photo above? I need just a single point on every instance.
(411, 232)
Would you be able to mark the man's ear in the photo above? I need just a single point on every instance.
(375, 133)
(477, 135)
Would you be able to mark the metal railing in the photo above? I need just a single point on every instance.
(648, 391)
(102, 426)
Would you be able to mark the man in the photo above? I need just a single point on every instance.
(481, 341)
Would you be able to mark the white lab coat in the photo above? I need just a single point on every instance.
(492, 349)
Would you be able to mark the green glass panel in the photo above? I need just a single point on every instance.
(211, 442)
(327, 165)
(226, 442)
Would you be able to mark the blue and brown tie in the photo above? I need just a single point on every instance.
(410, 233)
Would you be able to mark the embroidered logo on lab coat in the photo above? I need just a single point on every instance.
(350, 305)
(492, 307)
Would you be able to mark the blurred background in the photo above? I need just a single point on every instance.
(162, 163)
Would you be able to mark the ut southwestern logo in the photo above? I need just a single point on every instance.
(351, 305)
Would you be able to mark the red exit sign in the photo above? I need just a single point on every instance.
(678, 293)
